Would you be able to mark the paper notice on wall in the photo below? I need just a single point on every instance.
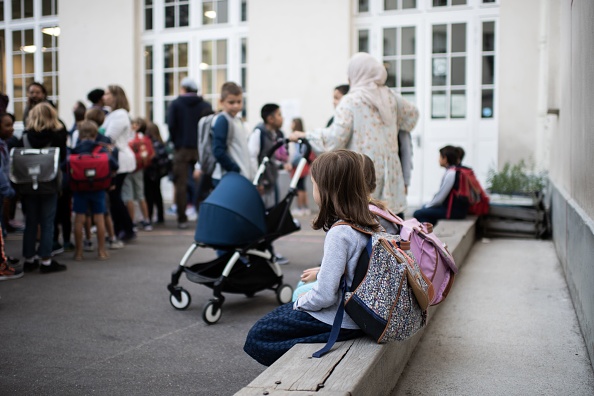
(290, 108)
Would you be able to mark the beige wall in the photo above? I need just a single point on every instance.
(98, 46)
(298, 52)
(519, 83)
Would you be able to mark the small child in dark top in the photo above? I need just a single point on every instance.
(93, 200)
(437, 209)
(159, 167)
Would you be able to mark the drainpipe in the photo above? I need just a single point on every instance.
(545, 122)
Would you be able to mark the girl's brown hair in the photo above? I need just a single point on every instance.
(298, 122)
(120, 101)
(343, 191)
(152, 131)
(371, 180)
(141, 122)
(43, 116)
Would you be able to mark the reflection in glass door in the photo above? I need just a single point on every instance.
(399, 58)
(448, 71)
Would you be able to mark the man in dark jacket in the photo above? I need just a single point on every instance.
(182, 118)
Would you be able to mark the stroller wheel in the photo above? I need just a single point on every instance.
(183, 302)
(284, 294)
(212, 312)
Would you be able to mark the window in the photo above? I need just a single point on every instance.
(23, 66)
(445, 3)
(49, 7)
(148, 14)
(175, 68)
(215, 11)
(489, 1)
(1, 11)
(2, 62)
(177, 13)
(399, 4)
(363, 6)
(363, 43)
(488, 70)
(243, 67)
(448, 71)
(148, 83)
(244, 11)
(22, 9)
(399, 58)
(213, 68)
(49, 53)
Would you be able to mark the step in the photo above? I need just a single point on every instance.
(355, 367)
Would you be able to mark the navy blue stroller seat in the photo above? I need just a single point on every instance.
(233, 221)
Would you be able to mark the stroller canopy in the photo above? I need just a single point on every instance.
(232, 215)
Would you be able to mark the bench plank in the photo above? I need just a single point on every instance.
(296, 370)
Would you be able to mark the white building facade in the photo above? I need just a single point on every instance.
(450, 57)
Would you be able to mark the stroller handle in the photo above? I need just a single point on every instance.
(278, 144)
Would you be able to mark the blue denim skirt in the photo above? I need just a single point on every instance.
(281, 329)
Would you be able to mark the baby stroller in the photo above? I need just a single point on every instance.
(233, 220)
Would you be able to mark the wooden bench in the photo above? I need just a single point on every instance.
(356, 367)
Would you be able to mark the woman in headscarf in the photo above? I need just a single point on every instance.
(367, 120)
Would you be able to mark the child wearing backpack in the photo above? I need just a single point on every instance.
(341, 193)
(440, 207)
(230, 138)
(262, 139)
(133, 188)
(309, 276)
(83, 201)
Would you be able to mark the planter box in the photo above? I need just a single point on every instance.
(515, 216)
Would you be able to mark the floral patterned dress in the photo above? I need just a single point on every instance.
(358, 126)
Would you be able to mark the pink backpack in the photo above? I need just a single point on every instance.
(431, 254)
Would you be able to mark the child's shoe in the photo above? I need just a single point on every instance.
(7, 272)
(88, 245)
(29, 266)
(53, 266)
(146, 225)
(115, 244)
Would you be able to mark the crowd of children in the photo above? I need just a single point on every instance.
(134, 153)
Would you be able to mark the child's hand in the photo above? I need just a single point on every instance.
(288, 167)
(310, 275)
(197, 173)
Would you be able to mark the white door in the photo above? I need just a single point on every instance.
(440, 55)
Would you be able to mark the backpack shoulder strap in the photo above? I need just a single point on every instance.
(26, 142)
(388, 215)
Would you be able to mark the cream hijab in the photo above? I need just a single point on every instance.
(368, 77)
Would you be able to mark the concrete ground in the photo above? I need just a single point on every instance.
(107, 328)
(507, 328)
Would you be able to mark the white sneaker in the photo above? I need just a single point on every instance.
(297, 212)
(191, 213)
(88, 246)
(115, 244)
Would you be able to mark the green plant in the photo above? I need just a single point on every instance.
(518, 178)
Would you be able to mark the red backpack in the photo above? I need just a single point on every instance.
(143, 150)
(89, 172)
(469, 190)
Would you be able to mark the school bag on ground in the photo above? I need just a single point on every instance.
(470, 192)
(434, 259)
(89, 171)
(35, 171)
(389, 296)
(142, 146)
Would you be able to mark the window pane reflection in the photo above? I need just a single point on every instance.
(438, 104)
(458, 70)
(440, 71)
(408, 41)
(459, 37)
(487, 103)
(488, 36)
(458, 104)
(391, 69)
(439, 39)
(488, 69)
(390, 39)
(407, 74)
(363, 41)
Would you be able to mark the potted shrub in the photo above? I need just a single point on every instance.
(516, 194)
